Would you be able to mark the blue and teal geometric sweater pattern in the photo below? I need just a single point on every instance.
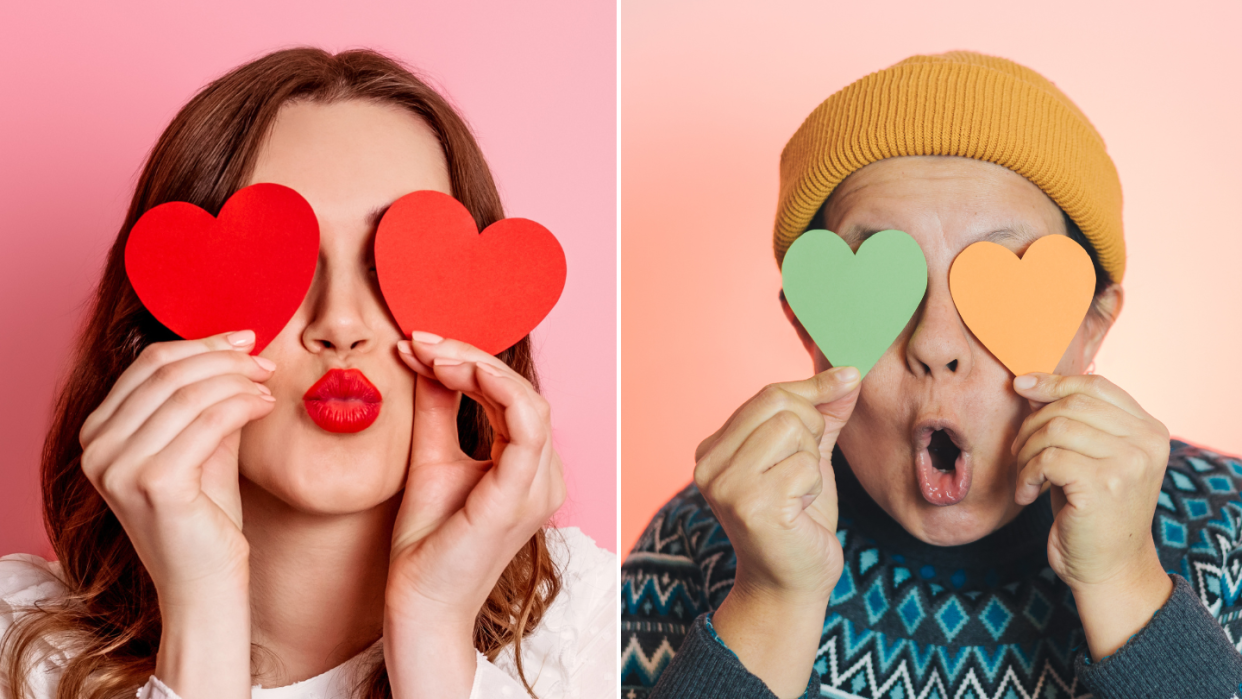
(908, 620)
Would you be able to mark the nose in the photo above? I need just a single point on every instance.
(339, 324)
(940, 345)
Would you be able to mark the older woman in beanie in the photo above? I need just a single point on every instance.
(944, 528)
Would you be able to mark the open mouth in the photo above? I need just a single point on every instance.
(941, 464)
(943, 452)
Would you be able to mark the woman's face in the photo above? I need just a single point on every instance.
(350, 160)
(938, 405)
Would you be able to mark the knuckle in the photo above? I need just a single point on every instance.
(805, 461)
(155, 484)
(786, 423)
(156, 354)
(1059, 426)
(772, 396)
(110, 482)
(701, 478)
(543, 408)
(1079, 402)
(164, 375)
(186, 396)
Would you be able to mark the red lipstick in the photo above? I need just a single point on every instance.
(342, 400)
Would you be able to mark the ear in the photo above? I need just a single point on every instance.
(1104, 311)
(803, 335)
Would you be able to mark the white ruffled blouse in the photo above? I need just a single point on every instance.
(571, 654)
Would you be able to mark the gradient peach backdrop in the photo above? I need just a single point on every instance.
(87, 89)
(710, 92)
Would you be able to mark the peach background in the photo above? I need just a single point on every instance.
(88, 87)
(710, 92)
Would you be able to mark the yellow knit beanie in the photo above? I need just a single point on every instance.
(957, 103)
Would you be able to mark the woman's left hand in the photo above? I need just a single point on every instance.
(1104, 458)
(461, 520)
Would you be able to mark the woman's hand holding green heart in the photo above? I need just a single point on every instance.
(767, 475)
(1104, 458)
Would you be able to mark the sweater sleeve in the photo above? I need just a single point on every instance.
(1190, 648)
(681, 569)
(704, 667)
(681, 565)
(1181, 652)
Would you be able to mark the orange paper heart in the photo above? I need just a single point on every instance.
(1025, 311)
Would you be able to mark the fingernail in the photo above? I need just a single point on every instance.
(425, 338)
(440, 361)
(241, 338)
(404, 347)
(269, 399)
(264, 389)
(1024, 382)
(265, 363)
(846, 375)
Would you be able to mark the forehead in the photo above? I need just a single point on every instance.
(351, 157)
(942, 200)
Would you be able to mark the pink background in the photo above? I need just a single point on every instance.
(710, 92)
(88, 88)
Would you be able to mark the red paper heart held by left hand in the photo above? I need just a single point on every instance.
(438, 274)
(248, 268)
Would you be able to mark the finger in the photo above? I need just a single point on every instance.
(798, 397)
(1082, 408)
(527, 424)
(1060, 467)
(435, 435)
(462, 376)
(1067, 433)
(801, 482)
(428, 348)
(826, 386)
(780, 437)
(175, 473)
(1047, 388)
(172, 416)
(152, 358)
(406, 352)
(166, 381)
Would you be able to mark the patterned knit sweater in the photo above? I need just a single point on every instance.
(985, 620)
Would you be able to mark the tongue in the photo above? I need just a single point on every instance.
(942, 487)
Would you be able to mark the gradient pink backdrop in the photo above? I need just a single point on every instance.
(88, 88)
(710, 92)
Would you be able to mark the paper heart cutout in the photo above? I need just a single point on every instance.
(248, 268)
(1025, 311)
(439, 274)
(854, 305)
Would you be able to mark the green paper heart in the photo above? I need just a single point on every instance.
(854, 305)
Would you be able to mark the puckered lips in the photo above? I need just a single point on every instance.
(941, 462)
(343, 401)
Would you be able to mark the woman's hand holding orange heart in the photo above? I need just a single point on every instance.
(461, 520)
(1104, 458)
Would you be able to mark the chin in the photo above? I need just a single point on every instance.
(954, 525)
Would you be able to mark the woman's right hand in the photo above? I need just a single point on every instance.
(767, 474)
(162, 451)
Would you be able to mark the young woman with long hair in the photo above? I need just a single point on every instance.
(213, 540)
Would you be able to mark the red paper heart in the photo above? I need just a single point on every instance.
(440, 275)
(248, 268)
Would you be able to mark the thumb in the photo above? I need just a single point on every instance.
(833, 393)
(435, 422)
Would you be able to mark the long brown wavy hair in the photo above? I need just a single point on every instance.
(110, 617)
